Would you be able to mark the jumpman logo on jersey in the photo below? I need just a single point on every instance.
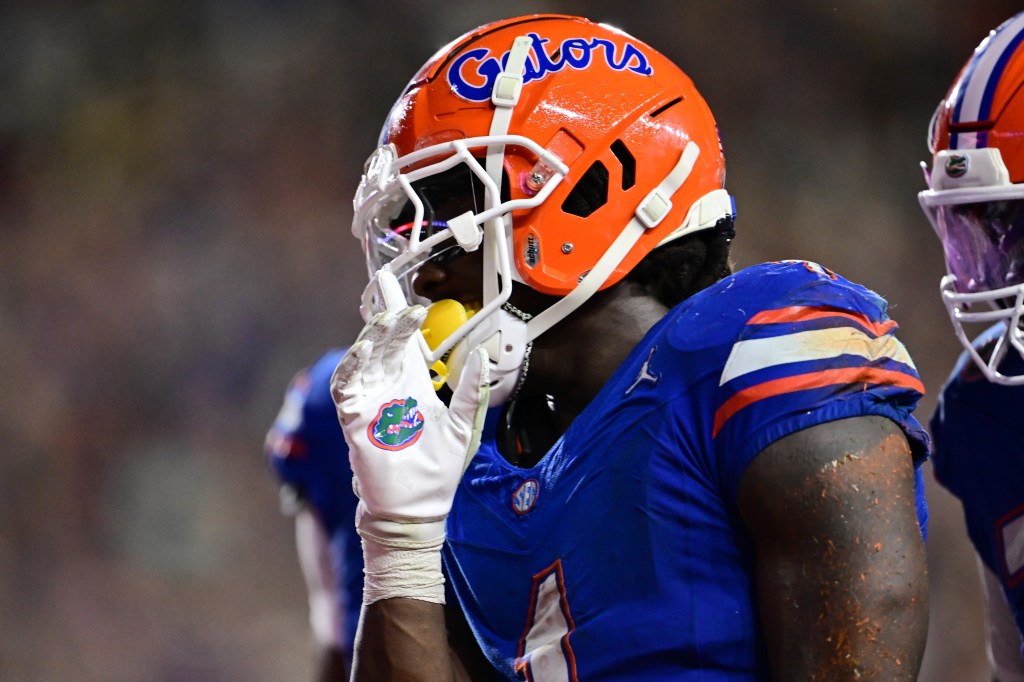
(645, 373)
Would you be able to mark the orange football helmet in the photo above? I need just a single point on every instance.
(565, 149)
(975, 195)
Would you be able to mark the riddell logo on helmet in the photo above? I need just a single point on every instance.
(532, 252)
(956, 166)
(472, 75)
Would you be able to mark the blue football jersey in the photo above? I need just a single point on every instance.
(308, 452)
(979, 457)
(621, 554)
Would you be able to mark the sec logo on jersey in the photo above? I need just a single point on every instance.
(525, 496)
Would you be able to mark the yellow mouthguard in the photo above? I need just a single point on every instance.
(443, 318)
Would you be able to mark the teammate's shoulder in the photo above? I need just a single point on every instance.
(317, 372)
(318, 395)
(324, 365)
(307, 407)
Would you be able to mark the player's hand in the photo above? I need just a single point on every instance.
(407, 449)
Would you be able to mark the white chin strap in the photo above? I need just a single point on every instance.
(503, 336)
(1012, 339)
(505, 95)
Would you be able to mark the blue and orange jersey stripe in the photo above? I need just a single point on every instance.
(799, 348)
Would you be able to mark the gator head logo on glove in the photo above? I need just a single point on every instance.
(398, 424)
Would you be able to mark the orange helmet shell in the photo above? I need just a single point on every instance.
(985, 105)
(594, 96)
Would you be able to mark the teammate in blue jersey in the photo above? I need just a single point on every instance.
(975, 201)
(695, 475)
(307, 450)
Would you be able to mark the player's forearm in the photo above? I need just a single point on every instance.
(402, 640)
(402, 634)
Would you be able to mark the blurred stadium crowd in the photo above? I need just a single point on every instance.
(175, 185)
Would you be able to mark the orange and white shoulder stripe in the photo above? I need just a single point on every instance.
(863, 338)
(816, 344)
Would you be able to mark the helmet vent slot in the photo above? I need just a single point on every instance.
(625, 157)
(662, 109)
(590, 193)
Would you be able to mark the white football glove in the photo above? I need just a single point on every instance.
(407, 449)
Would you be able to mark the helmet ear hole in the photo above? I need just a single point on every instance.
(590, 193)
(625, 157)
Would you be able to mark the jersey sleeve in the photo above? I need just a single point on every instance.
(306, 447)
(823, 349)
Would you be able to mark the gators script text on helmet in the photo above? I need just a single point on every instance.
(587, 149)
(975, 195)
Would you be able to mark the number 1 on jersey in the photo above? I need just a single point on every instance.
(545, 654)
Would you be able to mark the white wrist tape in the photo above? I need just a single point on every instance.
(400, 559)
(402, 572)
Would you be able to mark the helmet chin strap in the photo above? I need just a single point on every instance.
(505, 95)
(503, 336)
(504, 339)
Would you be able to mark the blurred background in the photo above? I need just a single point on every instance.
(175, 198)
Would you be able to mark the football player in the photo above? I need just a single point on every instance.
(975, 201)
(696, 474)
(306, 449)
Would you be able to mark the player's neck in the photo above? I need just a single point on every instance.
(572, 361)
(569, 366)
